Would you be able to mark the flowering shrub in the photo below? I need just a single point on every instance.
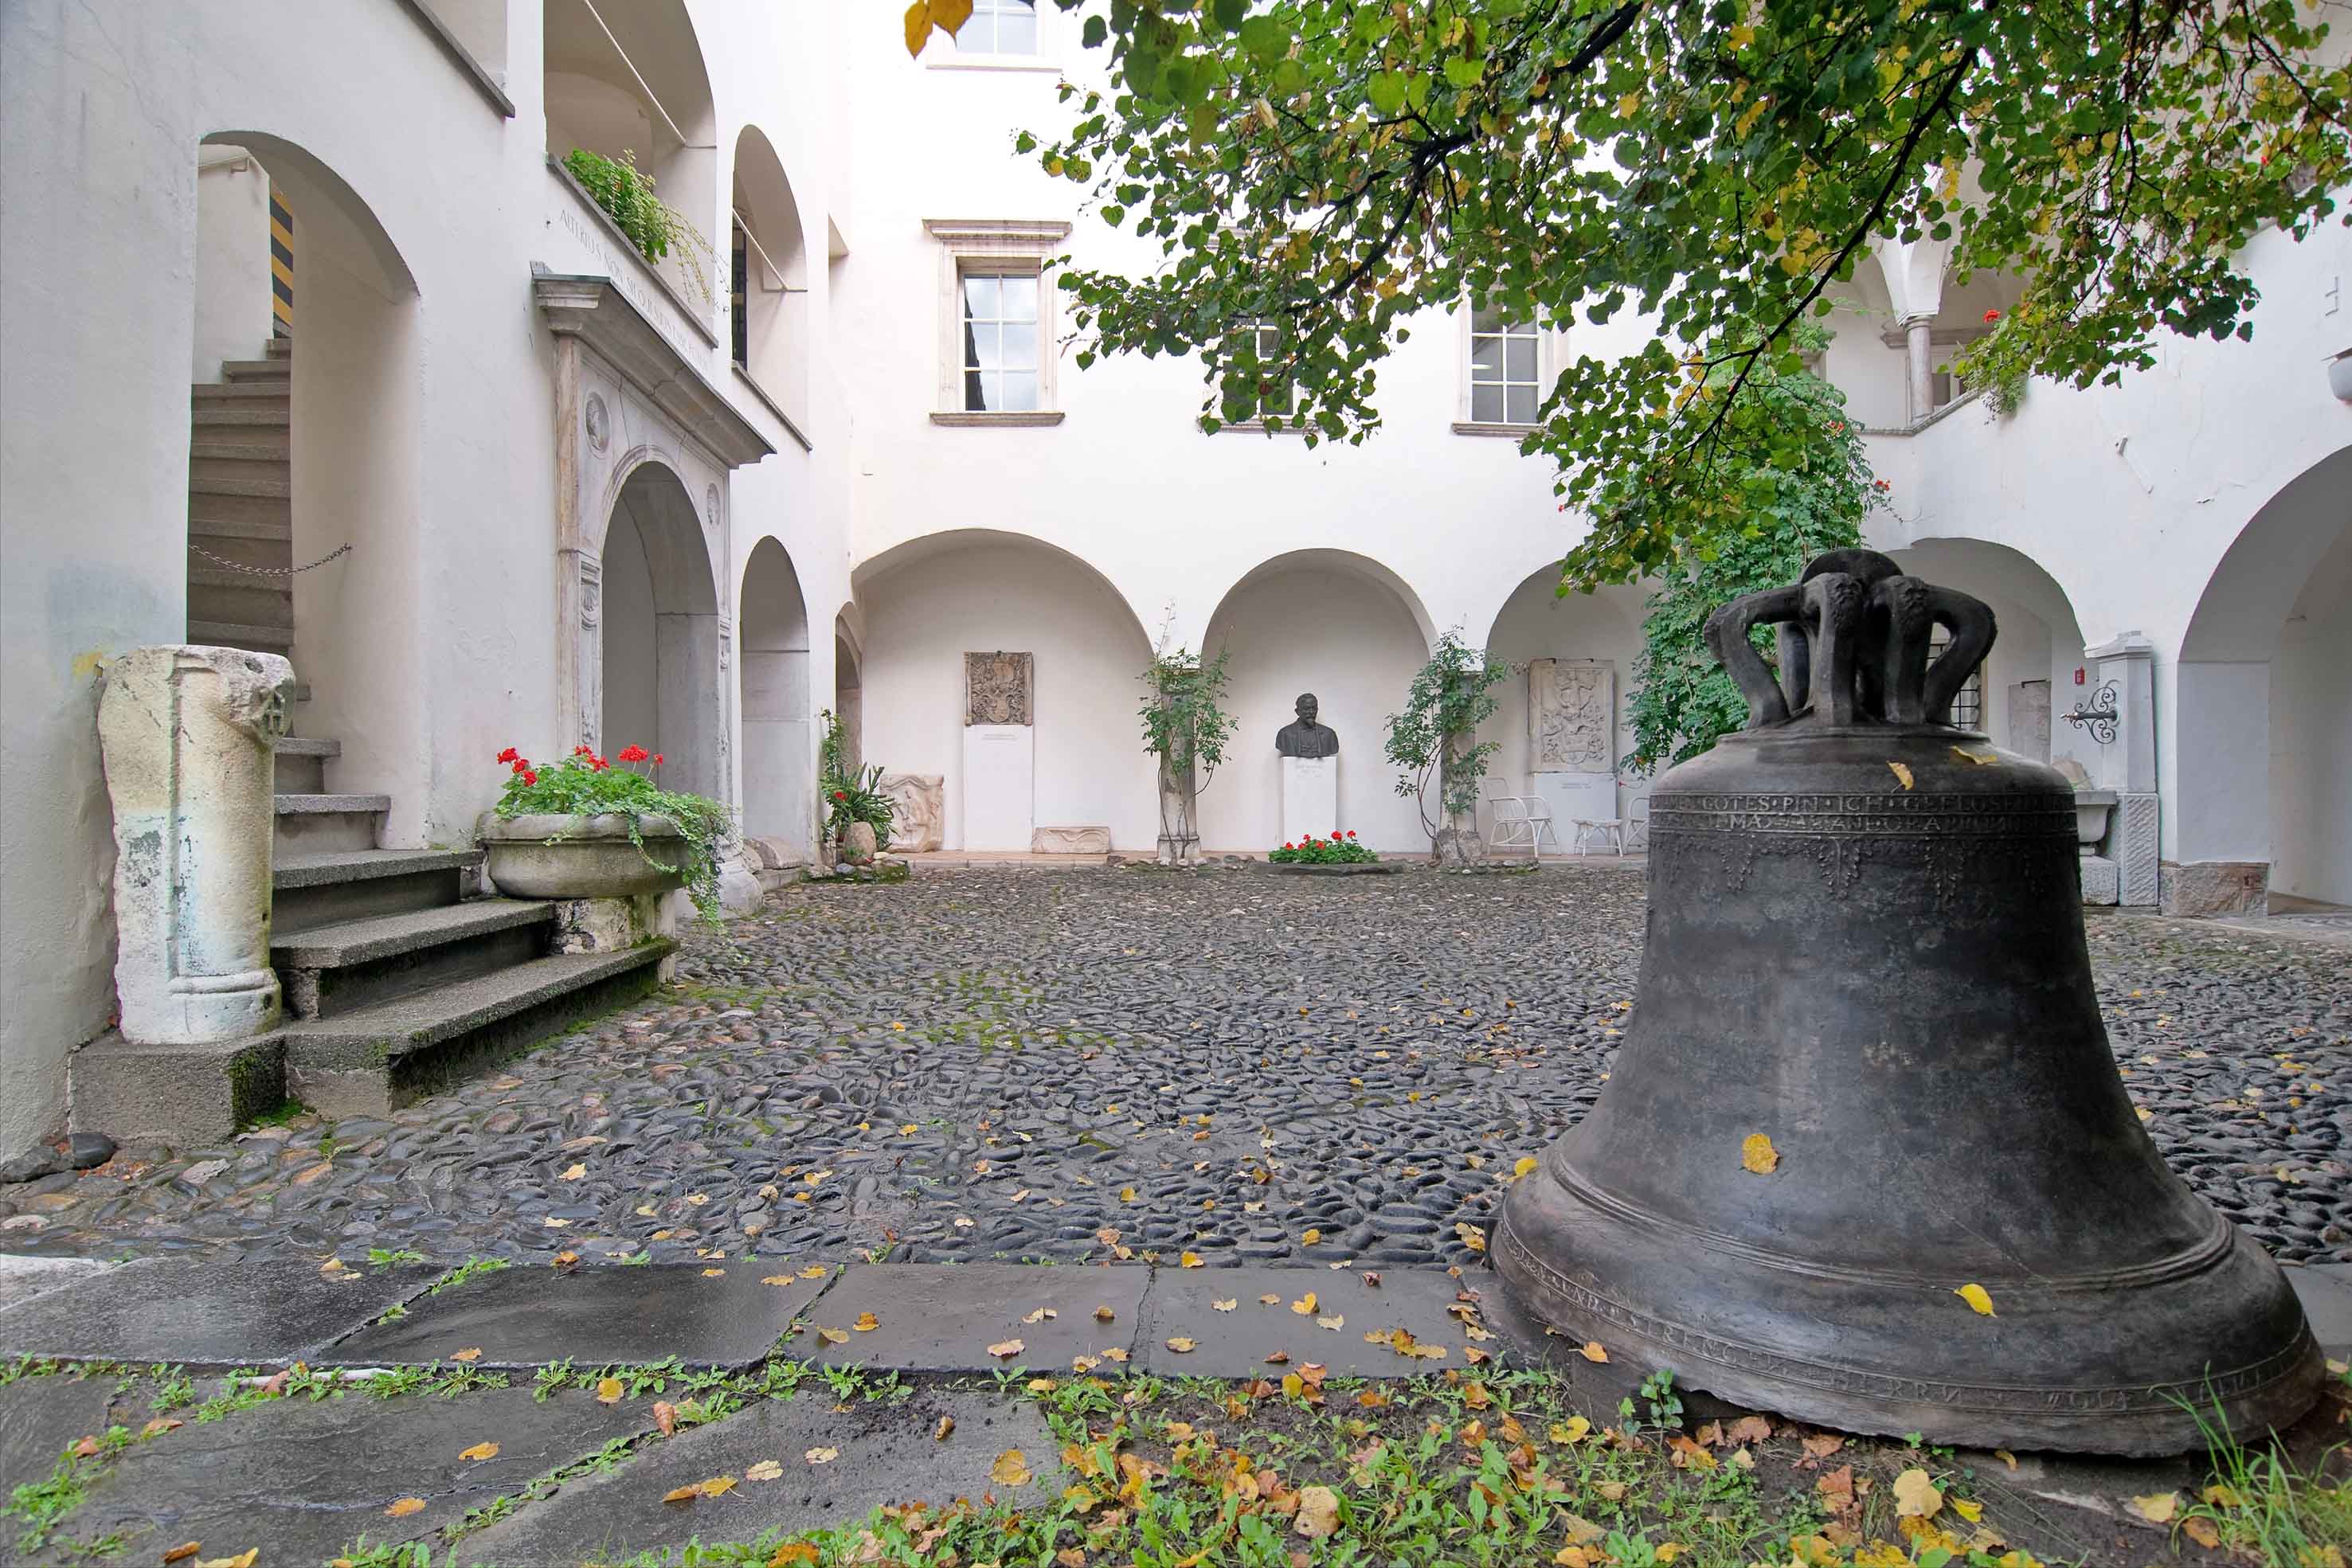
(1339, 848)
(587, 785)
(850, 794)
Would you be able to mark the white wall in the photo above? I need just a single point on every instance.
(2311, 737)
(232, 262)
(1351, 642)
(922, 617)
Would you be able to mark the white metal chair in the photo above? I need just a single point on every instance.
(1520, 822)
(1609, 830)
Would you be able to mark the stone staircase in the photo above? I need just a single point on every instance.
(240, 501)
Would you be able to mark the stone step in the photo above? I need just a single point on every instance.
(240, 601)
(186, 1096)
(248, 514)
(255, 415)
(302, 764)
(272, 368)
(328, 886)
(236, 635)
(239, 447)
(237, 393)
(378, 1059)
(215, 478)
(311, 822)
(223, 577)
(331, 970)
(236, 476)
(278, 348)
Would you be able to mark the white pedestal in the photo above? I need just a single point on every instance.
(1576, 796)
(1000, 786)
(1310, 797)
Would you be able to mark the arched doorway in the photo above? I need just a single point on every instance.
(1348, 629)
(2036, 673)
(848, 692)
(2262, 732)
(778, 768)
(661, 659)
(937, 609)
(1577, 763)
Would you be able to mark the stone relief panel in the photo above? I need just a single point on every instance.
(998, 688)
(598, 420)
(1572, 715)
(919, 809)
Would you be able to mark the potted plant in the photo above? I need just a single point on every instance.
(1436, 735)
(585, 829)
(859, 814)
(1185, 729)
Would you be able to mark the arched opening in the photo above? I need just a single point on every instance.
(2262, 732)
(629, 80)
(660, 658)
(848, 692)
(304, 448)
(1064, 752)
(768, 277)
(778, 761)
(2036, 673)
(1561, 725)
(1348, 630)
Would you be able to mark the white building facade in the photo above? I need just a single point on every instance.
(695, 503)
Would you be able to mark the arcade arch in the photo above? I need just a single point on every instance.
(1537, 622)
(660, 658)
(779, 766)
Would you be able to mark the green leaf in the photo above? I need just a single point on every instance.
(1386, 93)
(1464, 73)
(1263, 39)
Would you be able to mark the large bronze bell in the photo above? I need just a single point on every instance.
(1865, 945)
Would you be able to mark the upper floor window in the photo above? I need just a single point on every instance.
(1506, 386)
(1000, 343)
(1255, 376)
(1000, 27)
(997, 320)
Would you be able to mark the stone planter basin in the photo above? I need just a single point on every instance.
(592, 857)
(2091, 808)
(1343, 868)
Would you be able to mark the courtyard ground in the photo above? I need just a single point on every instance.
(1126, 1064)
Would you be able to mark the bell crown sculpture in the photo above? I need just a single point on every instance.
(1865, 1069)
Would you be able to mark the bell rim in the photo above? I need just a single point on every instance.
(2181, 1263)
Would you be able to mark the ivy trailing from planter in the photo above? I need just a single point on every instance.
(586, 785)
(625, 193)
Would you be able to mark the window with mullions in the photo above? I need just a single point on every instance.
(1968, 703)
(1000, 27)
(1000, 341)
(1504, 386)
(1257, 374)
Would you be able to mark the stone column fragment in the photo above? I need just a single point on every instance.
(188, 736)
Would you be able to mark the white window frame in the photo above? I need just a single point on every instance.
(1003, 246)
(1551, 358)
(1256, 424)
(1046, 58)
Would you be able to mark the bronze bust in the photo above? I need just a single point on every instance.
(1307, 738)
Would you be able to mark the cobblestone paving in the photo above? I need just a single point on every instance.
(1051, 1065)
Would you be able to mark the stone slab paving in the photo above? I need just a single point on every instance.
(1235, 1339)
(1014, 1062)
(38, 1416)
(944, 1319)
(22, 1278)
(866, 1453)
(305, 1479)
(597, 1316)
(205, 1314)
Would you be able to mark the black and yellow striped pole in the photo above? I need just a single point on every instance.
(281, 263)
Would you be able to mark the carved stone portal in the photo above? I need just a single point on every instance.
(1572, 715)
(997, 688)
(188, 736)
(918, 811)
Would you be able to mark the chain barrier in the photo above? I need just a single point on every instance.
(267, 571)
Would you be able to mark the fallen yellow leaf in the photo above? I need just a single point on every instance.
(1572, 1430)
(1971, 1511)
(775, 1280)
(792, 1553)
(242, 1560)
(2221, 1495)
(186, 1549)
(821, 1456)
(1916, 1495)
(1977, 1297)
(1757, 1155)
(833, 1336)
(1305, 1305)
(575, 1174)
(1103, 1314)
(1309, 1237)
(471, 1354)
(1901, 773)
(1010, 1468)
(765, 1471)
(2201, 1532)
(1318, 1513)
(479, 1451)
(2156, 1508)
(866, 1323)
(718, 1486)
(1225, 1306)
(682, 1494)
(939, 1433)
(1180, 1344)
(1524, 1168)
(1594, 1352)
(1189, 1261)
(400, 1509)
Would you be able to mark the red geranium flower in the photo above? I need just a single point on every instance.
(520, 763)
(529, 777)
(1992, 315)
(657, 757)
(582, 751)
(633, 754)
(840, 795)
(508, 755)
(1351, 833)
